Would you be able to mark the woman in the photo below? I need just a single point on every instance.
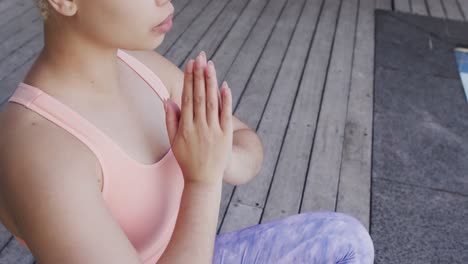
(91, 174)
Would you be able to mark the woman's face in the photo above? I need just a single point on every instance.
(126, 24)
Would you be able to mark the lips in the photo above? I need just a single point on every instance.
(164, 26)
(169, 18)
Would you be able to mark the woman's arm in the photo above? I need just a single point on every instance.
(195, 230)
(247, 158)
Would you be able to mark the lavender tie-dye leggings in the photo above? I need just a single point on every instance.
(323, 237)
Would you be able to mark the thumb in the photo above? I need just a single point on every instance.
(172, 119)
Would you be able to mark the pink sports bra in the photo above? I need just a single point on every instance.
(144, 199)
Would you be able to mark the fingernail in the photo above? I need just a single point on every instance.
(203, 54)
(210, 63)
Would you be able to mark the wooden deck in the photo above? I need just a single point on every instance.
(302, 76)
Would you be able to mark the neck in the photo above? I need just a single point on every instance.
(79, 62)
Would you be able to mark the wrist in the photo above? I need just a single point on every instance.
(205, 184)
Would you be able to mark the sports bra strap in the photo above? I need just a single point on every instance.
(145, 73)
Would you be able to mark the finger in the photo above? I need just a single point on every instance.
(212, 102)
(187, 95)
(226, 114)
(199, 92)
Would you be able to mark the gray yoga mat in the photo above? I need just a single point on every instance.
(419, 207)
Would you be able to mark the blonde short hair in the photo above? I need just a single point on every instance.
(43, 6)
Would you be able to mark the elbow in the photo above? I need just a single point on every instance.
(256, 167)
(251, 168)
(238, 180)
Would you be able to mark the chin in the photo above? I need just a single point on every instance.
(157, 42)
(148, 44)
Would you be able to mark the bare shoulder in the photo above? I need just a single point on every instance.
(48, 187)
(30, 143)
(169, 73)
(26, 130)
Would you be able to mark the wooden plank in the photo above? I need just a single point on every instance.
(13, 13)
(182, 22)
(253, 101)
(355, 176)
(5, 235)
(237, 215)
(384, 4)
(18, 25)
(15, 253)
(5, 5)
(247, 32)
(10, 83)
(464, 8)
(185, 43)
(435, 8)
(22, 55)
(324, 168)
(402, 5)
(9, 46)
(289, 176)
(220, 29)
(179, 6)
(419, 7)
(452, 9)
(249, 35)
(240, 73)
(226, 195)
(207, 30)
(237, 67)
